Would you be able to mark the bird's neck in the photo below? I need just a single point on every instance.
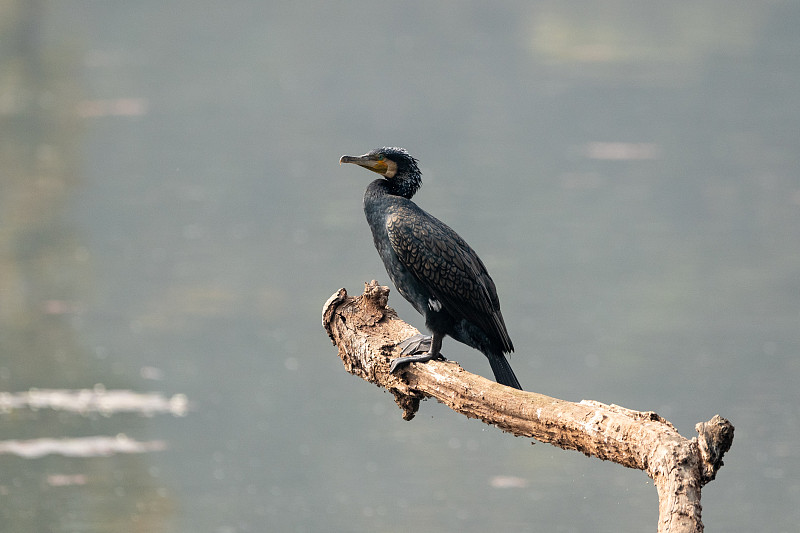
(404, 186)
(378, 189)
(378, 198)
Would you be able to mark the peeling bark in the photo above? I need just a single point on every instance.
(367, 332)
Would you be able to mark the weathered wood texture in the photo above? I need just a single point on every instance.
(367, 332)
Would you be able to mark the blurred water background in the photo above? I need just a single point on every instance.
(173, 217)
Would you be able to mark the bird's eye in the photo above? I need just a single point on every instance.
(380, 157)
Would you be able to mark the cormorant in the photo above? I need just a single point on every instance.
(432, 267)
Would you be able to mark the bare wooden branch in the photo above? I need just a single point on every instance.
(367, 332)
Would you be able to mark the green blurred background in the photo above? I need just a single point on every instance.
(173, 217)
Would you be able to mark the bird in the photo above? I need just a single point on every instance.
(432, 267)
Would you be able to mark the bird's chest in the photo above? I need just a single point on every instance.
(402, 278)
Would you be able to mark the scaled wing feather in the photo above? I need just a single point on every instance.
(446, 265)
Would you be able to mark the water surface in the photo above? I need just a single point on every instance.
(173, 218)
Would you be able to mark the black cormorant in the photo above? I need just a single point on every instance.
(432, 267)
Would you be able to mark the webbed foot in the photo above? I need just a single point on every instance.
(417, 349)
(415, 344)
(421, 358)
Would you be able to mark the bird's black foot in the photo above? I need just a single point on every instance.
(416, 349)
(415, 344)
(420, 358)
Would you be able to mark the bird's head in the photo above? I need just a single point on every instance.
(396, 165)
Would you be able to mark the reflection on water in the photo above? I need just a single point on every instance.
(81, 447)
(97, 400)
(60, 471)
(45, 274)
(120, 107)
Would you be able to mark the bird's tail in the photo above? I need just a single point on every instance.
(502, 371)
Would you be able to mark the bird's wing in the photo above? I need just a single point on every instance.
(446, 265)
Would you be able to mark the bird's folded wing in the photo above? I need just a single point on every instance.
(446, 265)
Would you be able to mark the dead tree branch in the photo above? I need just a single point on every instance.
(367, 332)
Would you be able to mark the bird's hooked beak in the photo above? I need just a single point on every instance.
(374, 162)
